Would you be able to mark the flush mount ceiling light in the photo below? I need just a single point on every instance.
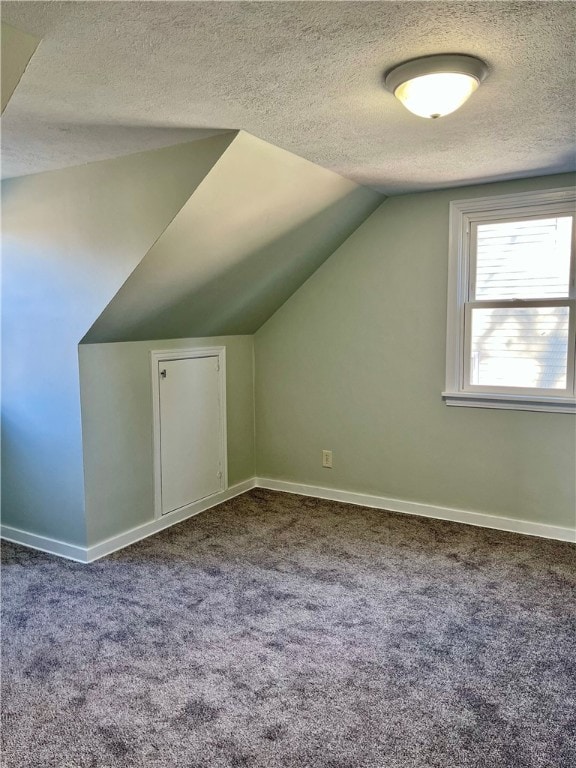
(434, 86)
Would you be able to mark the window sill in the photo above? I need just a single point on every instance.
(511, 402)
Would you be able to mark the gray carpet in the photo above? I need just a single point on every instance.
(279, 631)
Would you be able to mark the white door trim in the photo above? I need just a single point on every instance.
(163, 355)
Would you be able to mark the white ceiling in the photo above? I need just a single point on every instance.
(111, 78)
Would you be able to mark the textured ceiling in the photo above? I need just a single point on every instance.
(111, 78)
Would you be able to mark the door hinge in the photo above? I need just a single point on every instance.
(163, 373)
(217, 365)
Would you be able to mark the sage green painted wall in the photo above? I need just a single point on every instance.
(116, 392)
(69, 240)
(355, 362)
(258, 226)
(16, 50)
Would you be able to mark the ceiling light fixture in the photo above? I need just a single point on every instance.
(434, 86)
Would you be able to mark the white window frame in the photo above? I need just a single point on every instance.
(465, 215)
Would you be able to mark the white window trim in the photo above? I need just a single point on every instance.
(463, 213)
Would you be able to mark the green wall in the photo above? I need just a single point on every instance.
(355, 362)
(116, 390)
(261, 222)
(70, 238)
(352, 362)
(198, 240)
(16, 50)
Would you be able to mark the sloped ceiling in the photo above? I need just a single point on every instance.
(259, 224)
(17, 49)
(117, 77)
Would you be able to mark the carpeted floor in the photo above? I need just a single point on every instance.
(283, 632)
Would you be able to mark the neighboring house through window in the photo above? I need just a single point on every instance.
(512, 302)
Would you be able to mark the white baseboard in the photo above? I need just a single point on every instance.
(106, 547)
(96, 551)
(43, 543)
(479, 519)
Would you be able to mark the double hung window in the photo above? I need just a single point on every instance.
(512, 302)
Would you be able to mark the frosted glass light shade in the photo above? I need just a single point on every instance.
(436, 95)
(434, 86)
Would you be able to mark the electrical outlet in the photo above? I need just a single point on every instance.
(327, 459)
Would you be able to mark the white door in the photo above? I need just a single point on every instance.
(191, 448)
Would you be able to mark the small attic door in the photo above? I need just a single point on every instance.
(189, 426)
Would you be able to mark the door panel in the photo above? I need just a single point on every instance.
(190, 431)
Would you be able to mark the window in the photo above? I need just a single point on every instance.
(512, 302)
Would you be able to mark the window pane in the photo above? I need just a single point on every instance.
(519, 347)
(524, 259)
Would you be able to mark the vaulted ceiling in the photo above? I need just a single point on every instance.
(258, 225)
(111, 78)
(17, 49)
